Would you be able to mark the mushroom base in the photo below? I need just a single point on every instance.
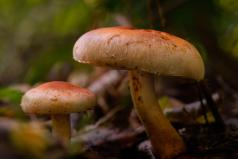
(165, 140)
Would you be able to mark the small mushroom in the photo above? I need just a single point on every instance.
(144, 53)
(58, 99)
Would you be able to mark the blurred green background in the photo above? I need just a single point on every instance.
(37, 36)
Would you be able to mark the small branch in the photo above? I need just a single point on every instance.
(189, 111)
(104, 119)
(212, 106)
(104, 136)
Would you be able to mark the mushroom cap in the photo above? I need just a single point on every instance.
(57, 98)
(146, 50)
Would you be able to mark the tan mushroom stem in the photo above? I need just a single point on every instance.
(61, 127)
(165, 140)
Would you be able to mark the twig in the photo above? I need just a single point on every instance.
(204, 110)
(218, 119)
(146, 147)
(104, 119)
(190, 111)
(104, 136)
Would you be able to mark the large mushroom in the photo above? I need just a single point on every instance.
(58, 99)
(144, 53)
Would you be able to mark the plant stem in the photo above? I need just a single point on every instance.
(211, 104)
(165, 140)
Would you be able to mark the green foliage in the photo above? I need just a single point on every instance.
(40, 66)
(12, 99)
(229, 38)
(229, 5)
(10, 95)
(226, 26)
(86, 119)
(74, 17)
(202, 120)
(42, 33)
(164, 102)
(38, 29)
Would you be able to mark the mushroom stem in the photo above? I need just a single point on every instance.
(61, 127)
(165, 140)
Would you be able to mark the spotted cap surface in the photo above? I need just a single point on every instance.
(57, 97)
(146, 50)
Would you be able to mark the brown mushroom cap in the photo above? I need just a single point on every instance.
(147, 50)
(57, 98)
